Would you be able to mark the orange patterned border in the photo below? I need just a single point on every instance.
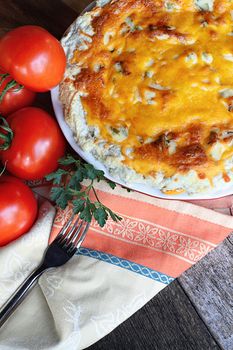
(149, 235)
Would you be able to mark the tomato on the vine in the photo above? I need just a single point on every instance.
(33, 143)
(15, 97)
(18, 209)
(33, 57)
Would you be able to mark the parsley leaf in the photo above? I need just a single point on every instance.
(92, 173)
(75, 193)
(68, 160)
(78, 205)
(86, 214)
(60, 196)
(111, 184)
(56, 176)
(101, 215)
(113, 215)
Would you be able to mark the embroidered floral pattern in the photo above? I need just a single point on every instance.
(72, 314)
(149, 235)
(166, 240)
(107, 322)
(62, 216)
(51, 281)
(146, 234)
(125, 228)
(161, 239)
(187, 247)
(15, 269)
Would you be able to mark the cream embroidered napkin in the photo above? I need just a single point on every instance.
(73, 306)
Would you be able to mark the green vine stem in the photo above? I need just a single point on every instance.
(10, 85)
(3, 169)
(7, 136)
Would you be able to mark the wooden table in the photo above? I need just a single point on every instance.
(195, 311)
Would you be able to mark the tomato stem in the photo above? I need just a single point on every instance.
(3, 77)
(3, 169)
(6, 136)
(10, 85)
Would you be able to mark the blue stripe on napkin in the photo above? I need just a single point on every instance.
(126, 264)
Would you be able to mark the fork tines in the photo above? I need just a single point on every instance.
(73, 233)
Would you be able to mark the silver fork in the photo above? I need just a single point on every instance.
(58, 253)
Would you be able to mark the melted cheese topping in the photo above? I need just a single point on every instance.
(157, 78)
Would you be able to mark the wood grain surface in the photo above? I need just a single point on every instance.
(209, 285)
(196, 311)
(168, 321)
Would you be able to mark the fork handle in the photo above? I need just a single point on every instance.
(20, 294)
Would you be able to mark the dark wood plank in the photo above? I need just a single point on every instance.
(54, 15)
(230, 239)
(209, 285)
(77, 5)
(167, 322)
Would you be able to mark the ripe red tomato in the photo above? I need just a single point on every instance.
(14, 99)
(36, 146)
(33, 57)
(18, 209)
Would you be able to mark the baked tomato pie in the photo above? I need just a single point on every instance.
(148, 91)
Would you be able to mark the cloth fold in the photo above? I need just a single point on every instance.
(118, 269)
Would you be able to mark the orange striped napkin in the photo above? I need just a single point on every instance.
(165, 236)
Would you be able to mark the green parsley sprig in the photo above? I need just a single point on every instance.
(71, 190)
